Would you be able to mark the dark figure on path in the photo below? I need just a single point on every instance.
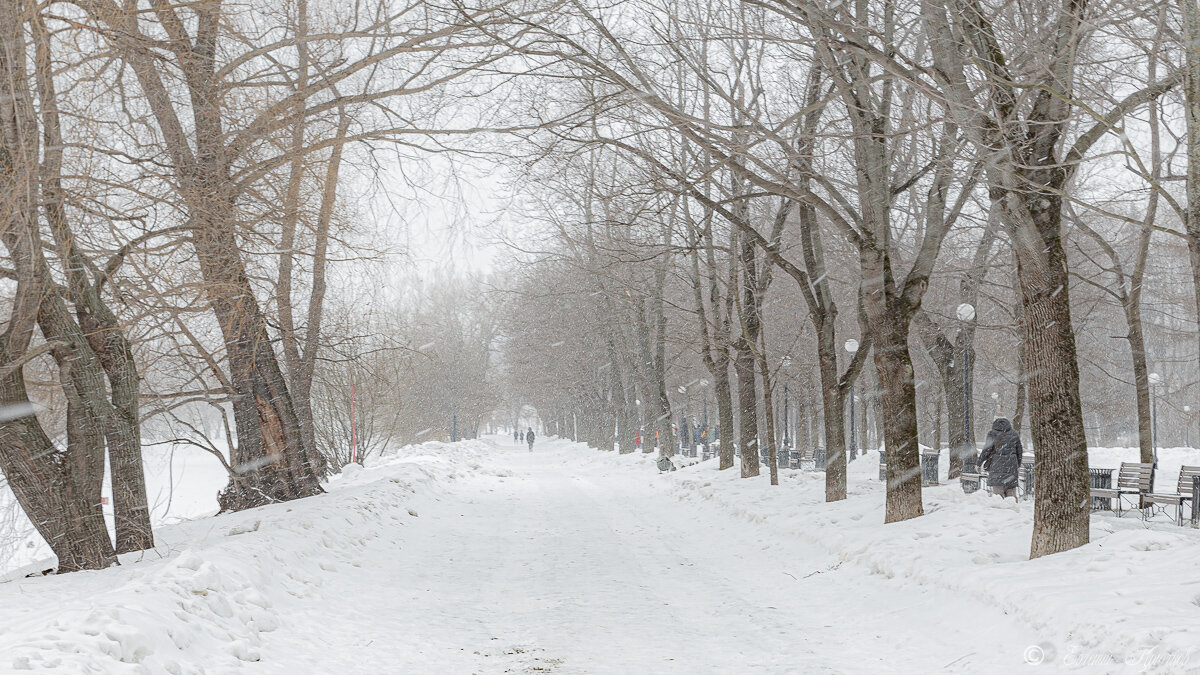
(529, 438)
(1001, 458)
(516, 435)
(522, 435)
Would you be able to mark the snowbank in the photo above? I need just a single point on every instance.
(215, 586)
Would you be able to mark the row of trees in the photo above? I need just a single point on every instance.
(169, 210)
(1018, 160)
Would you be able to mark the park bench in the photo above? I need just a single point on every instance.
(1183, 492)
(813, 458)
(808, 458)
(972, 481)
(1134, 478)
(973, 478)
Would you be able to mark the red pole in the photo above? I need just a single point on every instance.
(353, 428)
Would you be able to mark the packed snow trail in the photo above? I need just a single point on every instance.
(483, 557)
(552, 569)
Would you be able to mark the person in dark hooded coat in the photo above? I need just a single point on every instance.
(1001, 458)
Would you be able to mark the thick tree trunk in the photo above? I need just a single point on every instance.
(99, 326)
(743, 367)
(59, 491)
(724, 393)
(899, 397)
(1191, 91)
(271, 460)
(1055, 412)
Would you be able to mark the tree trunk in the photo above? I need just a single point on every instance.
(899, 397)
(743, 367)
(99, 326)
(1056, 415)
(833, 407)
(724, 394)
(271, 460)
(769, 412)
(1191, 91)
(59, 491)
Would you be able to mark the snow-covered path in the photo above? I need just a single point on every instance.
(557, 567)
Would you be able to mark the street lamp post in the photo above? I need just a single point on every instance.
(1187, 425)
(787, 437)
(966, 314)
(637, 403)
(996, 404)
(852, 348)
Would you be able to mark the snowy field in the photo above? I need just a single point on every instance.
(482, 557)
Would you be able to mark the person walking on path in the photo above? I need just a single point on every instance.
(1001, 458)
(529, 439)
(516, 435)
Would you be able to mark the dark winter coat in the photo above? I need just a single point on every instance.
(1001, 456)
(529, 436)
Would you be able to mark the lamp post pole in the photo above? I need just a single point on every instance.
(787, 432)
(966, 314)
(1187, 426)
(638, 404)
(787, 439)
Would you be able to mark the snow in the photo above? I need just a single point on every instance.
(483, 557)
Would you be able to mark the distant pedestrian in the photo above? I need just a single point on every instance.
(1001, 458)
(516, 436)
(529, 438)
(522, 435)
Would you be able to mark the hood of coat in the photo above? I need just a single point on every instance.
(1001, 425)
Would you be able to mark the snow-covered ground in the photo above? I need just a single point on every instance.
(482, 557)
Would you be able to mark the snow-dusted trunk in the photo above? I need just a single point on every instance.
(899, 397)
(1055, 409)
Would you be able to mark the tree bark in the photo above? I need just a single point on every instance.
(59, 491)
(100, 327)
